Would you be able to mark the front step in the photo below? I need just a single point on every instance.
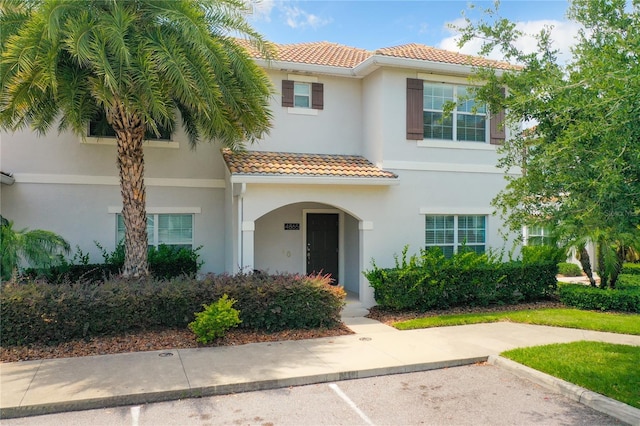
(354, 309)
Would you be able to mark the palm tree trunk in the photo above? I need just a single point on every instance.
(602, 270)
(130, 135)
(621, 254)
(583, 257)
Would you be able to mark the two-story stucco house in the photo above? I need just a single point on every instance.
(359, 163)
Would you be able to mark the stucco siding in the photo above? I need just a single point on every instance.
(81, 214)
(336, 129)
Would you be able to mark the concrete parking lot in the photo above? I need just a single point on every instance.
(479, 394)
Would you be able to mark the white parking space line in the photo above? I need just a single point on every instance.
(135, 415)
(351, 404)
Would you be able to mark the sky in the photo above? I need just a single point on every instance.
(373, 24)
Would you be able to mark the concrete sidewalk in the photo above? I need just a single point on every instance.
(47, 386)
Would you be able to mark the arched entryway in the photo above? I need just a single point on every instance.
(309, 237)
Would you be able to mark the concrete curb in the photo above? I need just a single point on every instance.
(611, 407)
(145, 398)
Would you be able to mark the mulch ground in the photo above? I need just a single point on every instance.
(182, 338)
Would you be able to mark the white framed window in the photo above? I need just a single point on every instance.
(453, 232)
(538, 236)
(466, 123)
(301, 95)
(174, 230)
(100, 128)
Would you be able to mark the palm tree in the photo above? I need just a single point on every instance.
(38, 248)
(140, 63)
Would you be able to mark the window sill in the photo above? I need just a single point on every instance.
(112, 142)
(432, 143)
(302, 111)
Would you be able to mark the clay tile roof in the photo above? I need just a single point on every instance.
(427, 53)
(258, 163)
(338, 55)
(316, 53)
(322, 53)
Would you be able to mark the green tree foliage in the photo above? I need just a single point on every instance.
(580, 160)
(144, 64)
(37, 248)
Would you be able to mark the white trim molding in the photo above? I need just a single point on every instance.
(445, 167)
(92, 140)
(365, 225)
(302, 78)
(447, 144)
(160, 210)
(248, 225)
(302, 111)
(313, 180)
(114, 180)
(450, 79)
(460, 211)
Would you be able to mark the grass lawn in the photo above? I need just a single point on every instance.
(571, 318)
(605, 368)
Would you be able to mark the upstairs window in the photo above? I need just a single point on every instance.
(301, 95)
(467, 122)
(453, 233)
(297, 94)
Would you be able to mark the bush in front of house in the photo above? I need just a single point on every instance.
(631, 269)
(165, 262)
(592, 298)
(283, 301)
(37, 312)
(215, 320)
(628, 282)
(569, 269)
(432, 281)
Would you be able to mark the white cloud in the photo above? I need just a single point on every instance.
(563, 34)
(261, 9)
(296, 17)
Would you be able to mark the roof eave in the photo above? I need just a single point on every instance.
(371, 64)
(310, 68)
(374, 62)
(313, 180)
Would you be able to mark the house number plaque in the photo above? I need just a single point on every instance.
(291, 226)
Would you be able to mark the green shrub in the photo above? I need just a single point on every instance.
(628, 281)
(569, 269)
(165, 262)
(631, 268)
(591, 298)
(37, 312)
(543, 254)
(431, 281)
(215, 320)
(283, 301)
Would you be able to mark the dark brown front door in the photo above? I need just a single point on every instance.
(322, 244)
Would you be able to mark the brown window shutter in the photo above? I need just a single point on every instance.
(317, 95)
(496, 127)
(287, 93)
(415, 117)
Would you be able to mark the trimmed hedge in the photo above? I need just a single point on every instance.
(631, 269)
(165, 262)
(433, 282)
(592, 298)
(569, 269)
(37, 312)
